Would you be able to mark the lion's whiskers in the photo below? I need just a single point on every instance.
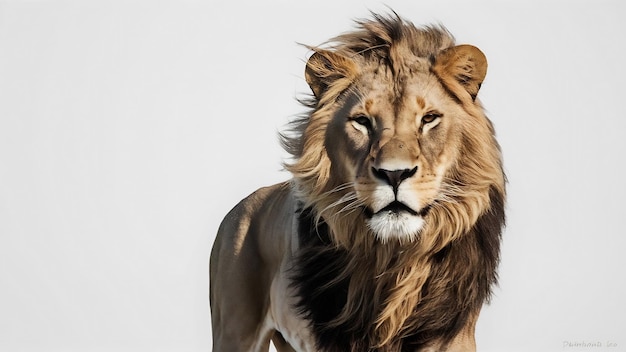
(449, 192)
(347, 204)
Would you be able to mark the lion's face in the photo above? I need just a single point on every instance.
(395, 145)
(397, 139)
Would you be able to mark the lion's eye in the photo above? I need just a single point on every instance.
(363, 121)
(430, 117)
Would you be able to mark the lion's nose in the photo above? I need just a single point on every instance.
(394, 177)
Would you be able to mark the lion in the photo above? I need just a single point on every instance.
(387, 236)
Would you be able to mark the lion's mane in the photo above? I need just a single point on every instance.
(364, 295)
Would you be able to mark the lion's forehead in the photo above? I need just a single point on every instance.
(382, 96)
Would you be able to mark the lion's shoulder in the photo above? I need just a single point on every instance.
(264, 216)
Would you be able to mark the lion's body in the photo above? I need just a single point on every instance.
(249, 283)
(387, 238)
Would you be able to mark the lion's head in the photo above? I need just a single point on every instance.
(399, 167)
(397, 140)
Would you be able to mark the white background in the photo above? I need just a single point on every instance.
(129, 128)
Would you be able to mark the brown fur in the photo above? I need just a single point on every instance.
(421, 291)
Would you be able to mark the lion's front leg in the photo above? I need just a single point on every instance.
(245, 259)
(239, 291)
(239, 316)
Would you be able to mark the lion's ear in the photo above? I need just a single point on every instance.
(324, 68)
(465, 64)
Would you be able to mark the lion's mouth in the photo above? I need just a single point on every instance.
(397, 207)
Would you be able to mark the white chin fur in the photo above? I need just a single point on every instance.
(401, 226)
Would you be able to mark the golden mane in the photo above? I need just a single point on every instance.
(406, 279)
